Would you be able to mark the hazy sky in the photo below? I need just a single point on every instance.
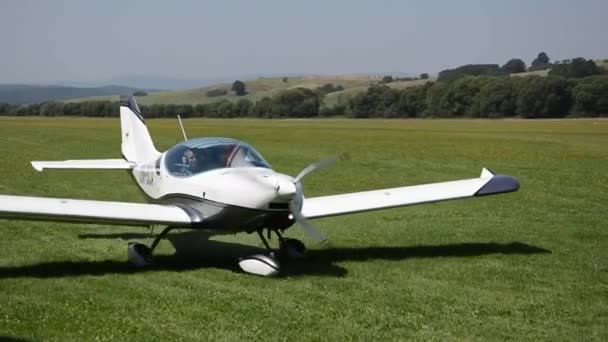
(49, 41)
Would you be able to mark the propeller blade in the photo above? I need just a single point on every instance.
(318, 166)
(309, 228)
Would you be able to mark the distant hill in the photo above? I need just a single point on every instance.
(21, 94)
(259, 88)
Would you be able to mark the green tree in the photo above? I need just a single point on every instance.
(298, 102)
(242, 107)
(591, 96)
(424, 76)
(496, 98)
(263, 108)
(469, 70)
(55, 109)
(577, 68)
(513, 66)
(225, 109)
(543, 97)
(412, 101)
(377, 101)
(459, 97)
(387, 79)
(239, 88)
(541, 59)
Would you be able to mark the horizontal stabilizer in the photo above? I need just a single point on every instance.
(107, 164)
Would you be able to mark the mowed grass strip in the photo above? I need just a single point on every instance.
(523, 266)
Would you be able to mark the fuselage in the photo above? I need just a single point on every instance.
(230, 188)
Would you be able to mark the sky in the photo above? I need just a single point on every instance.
(81, 40)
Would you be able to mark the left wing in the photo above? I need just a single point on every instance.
(87, 211)
(487, 184)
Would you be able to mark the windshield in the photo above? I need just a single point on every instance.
(200, 155)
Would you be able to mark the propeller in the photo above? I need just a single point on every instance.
(295, 206)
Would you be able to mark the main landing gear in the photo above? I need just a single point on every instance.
(140, 255)
(268, 265)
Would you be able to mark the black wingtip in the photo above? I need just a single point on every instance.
(497, 185)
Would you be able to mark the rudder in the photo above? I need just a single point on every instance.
(137, 145)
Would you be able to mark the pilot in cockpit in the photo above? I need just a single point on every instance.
(190, 162)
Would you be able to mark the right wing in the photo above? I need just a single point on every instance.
(487, 184)
(88, 211)
(109, 164)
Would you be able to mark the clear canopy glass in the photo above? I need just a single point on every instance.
(204, 154)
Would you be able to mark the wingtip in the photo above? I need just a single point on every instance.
(37, 166)
(487, 173)
(499, 184)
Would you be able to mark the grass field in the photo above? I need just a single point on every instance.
(523, 266)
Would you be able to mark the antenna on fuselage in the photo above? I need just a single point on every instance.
(182, 127)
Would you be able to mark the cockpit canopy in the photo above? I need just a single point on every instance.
(204, 154)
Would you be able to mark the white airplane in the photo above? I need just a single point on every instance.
(223, 186)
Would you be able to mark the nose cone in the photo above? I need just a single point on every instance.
(286, 189)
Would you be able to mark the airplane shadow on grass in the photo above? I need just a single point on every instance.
(194, 250)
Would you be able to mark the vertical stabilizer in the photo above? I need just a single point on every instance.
(137, 145)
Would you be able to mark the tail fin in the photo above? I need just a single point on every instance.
(137, 145)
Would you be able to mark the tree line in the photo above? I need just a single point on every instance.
(576, 87)
(469, 96)
(572, 88)
(487, 97)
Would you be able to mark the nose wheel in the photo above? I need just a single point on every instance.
(293, 248)
(267, 265)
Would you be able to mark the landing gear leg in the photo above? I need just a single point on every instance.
(261, 235)
(140, 255)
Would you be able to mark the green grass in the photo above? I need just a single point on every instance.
(524, 266)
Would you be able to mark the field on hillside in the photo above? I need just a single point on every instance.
(530, 265)
(261, 87)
